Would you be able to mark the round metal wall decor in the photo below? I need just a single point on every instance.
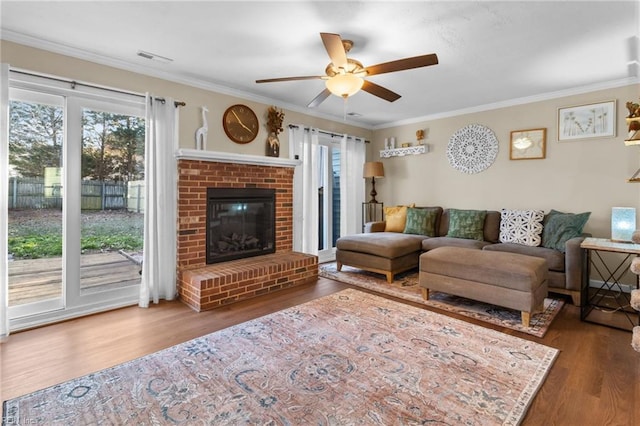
(472, 149)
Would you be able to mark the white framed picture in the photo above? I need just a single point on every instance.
(596, 120)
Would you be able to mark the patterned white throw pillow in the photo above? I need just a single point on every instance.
(521, 227)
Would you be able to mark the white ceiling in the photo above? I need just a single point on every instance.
(491, 53)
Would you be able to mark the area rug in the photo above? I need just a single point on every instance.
(405, 286)
(344, 359)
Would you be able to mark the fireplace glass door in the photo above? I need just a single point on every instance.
(240, 223)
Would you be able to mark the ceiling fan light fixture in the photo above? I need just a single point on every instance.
(344, 85)
(344, 76)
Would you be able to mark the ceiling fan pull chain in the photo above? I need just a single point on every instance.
(344, 108)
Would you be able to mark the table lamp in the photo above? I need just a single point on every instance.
(373, 170)
(623, 223)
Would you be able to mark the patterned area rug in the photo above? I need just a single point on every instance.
(344, 359)
(405, 286)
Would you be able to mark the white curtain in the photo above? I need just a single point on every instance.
(159, 261)
(303, 145)
(352, 157)
(4, 195)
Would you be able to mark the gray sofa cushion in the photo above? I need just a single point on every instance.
(431, 243)
(554, 258)
(386, 244)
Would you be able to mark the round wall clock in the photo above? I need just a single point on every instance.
(472, 149)
(240, 123)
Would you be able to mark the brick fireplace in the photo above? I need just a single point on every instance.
(205, 286)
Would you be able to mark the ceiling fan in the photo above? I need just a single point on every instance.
(345, 76)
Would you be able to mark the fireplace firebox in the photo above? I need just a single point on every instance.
(240, 223)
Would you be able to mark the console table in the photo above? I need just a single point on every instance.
(608, 303)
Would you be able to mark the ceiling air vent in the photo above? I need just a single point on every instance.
(154, 57)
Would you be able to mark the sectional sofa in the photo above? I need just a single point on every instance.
(395, 245)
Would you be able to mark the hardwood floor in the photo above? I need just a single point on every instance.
(594, 381)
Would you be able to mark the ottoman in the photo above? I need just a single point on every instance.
(510, 280)
(385, 253)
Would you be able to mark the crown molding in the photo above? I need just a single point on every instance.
(514, 102)
(85, 55)
(61, 49)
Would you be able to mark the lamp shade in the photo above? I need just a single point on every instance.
(373, 169)
(623, 223)
(344, 85)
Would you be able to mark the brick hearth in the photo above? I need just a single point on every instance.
(203, 286)
(226, 282)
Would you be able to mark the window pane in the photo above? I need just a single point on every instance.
(36, 137)
(112, 204)
(335, 174)
(323, 205)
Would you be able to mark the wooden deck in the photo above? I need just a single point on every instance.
(34, 280)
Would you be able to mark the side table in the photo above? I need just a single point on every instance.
(608, 303)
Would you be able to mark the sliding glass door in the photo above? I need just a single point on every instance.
(111, 204)
(35, 207)
(75, 203)
(328, 198)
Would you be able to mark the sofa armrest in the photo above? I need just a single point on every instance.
(573, 263)
(374, 227)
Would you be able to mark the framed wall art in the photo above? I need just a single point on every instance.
(587, 121)
(530, 144)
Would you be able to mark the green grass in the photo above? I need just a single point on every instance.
(33, 235)
(35, 246)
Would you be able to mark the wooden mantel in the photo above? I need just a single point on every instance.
(229, 157)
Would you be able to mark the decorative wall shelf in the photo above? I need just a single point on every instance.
(633, 139)
(401, 152)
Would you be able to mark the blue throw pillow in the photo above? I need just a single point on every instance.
(558, 228)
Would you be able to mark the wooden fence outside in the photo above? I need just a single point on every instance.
(35, 193)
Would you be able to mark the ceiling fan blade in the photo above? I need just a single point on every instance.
(335, 49)
(403, 64)
(319, 99)
(380, 91)
(275, 80)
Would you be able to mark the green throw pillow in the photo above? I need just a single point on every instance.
(467, 224)
(421, 221)
(558, 228)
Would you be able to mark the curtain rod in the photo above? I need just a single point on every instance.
(325, 132)
(74, 83)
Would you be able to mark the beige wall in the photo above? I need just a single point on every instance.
(42, 61)
(575, 176)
